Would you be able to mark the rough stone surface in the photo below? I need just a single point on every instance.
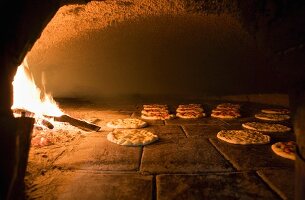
(187, 166)
(201, 121)
(90, 185)
(280, 180)
(207, 131)
(167, 132)
(249, 157)
(99, 117)
(212, 186)
(150, 122)
(111, 43)
(182, 156)
(97, 153)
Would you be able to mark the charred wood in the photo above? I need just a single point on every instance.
(46, 123)
(23, 112)
(78, 123)
(26, 113)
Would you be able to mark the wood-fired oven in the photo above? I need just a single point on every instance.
(105, 59)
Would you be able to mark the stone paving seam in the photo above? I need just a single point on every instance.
(61, 154)
(226, 157)
(140, 158)
(73, 168)
(224, 122)
(271, 186)
(94, 171)
(184, 131)
(247, 180)
(154, 188)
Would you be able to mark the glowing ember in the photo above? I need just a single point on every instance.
(28, 97)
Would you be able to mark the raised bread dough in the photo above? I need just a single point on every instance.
(131, 137)
(272, 117)
(157, 116)
(284, 149)
(153, 111)
(225, 114)
(226, 111)
(243, 137)
(228, 106)
(155, 106)
(275, 111)
(189, 109)
(265, 127)
(127, 123)
(190, 115)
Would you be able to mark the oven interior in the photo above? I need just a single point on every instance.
(104, 60)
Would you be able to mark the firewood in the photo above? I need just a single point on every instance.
(64, 118)
(46, 123)
(26, 113)
(77, 123)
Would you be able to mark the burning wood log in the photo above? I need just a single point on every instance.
(46, 123)
(23, 112)
(26, 113)
(78, 123)
(64, 118)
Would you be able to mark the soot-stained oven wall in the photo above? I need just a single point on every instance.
(148, 47)
(117, 48)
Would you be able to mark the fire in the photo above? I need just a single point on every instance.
(28, 96)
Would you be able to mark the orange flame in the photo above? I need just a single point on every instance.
(27, 95)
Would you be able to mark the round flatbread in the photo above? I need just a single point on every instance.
(265, 127)
(276, 111)
(225, 109)
(190, 115)
(272, 117)
(154, 111)
(131, 137)
(127, 123)
(157, 116)
(185, 109)
(152, 106)
(285, 149)
(243, 137)
(225, 114)
(228, 105)
(190, 105)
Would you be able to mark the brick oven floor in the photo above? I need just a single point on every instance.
(188, 162)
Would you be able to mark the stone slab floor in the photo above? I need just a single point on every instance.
(187, 162)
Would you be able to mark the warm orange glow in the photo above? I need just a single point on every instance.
(28, 97)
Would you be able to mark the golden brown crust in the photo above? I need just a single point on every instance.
(272, 117)
(284, 149)
(276, 111)
(131, 137)
(190, 115)
(243, 137)
(265, 127)
(127, 123)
